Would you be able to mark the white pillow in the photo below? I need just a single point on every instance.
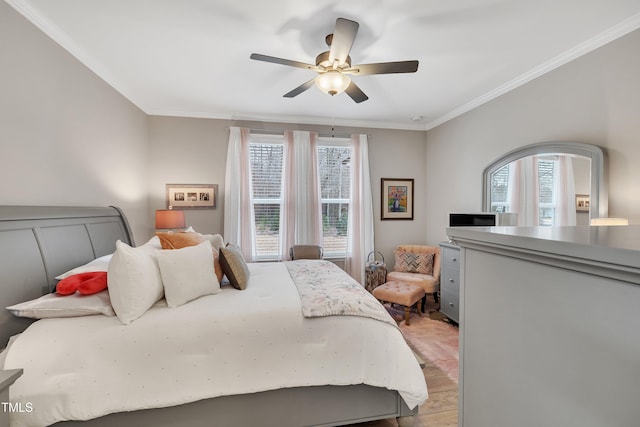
(187, 273)
(216, 240)
(134, 281)
(54, 305)
(154, 242)
(98, 264)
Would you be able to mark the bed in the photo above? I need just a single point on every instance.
(380, 380)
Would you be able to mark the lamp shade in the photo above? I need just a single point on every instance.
(169, 219)
(609, 221)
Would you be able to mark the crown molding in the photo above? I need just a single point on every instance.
(302, 120)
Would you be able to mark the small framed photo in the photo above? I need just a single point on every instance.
(192, 196)
(396, 198)
(582, 203)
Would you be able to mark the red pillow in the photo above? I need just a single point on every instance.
(85, 283)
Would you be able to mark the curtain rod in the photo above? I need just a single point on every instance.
(281, 132)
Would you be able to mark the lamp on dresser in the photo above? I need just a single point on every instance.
(609, 221)
(169, 219)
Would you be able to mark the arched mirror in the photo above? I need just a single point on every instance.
(548, 183)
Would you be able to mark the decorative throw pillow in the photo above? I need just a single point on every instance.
(187, 273)
(411, 262)
(184, 239)
(179, 240)
(134, 281)
(234, 266)
(217, 268)
(84, 283)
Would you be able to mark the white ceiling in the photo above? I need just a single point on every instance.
(191, 57)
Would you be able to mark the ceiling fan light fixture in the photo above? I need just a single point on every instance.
(333, 82)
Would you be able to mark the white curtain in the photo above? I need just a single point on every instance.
(523, 193)
(360, 227)
(301, 212)
(565, 192)
(239, 221)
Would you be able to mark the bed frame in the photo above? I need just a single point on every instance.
(38, 243)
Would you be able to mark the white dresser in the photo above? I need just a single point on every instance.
(549, 326)
(450, 281)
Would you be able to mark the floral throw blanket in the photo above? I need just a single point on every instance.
(326, 290)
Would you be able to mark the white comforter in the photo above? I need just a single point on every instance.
(234, 342)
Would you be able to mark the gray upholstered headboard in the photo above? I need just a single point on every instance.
(38, 243)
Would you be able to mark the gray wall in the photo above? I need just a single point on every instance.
(188, 151)
(594, 99)
(193, 151)
(66, 137)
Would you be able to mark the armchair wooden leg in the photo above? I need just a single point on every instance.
(435, 297)
(407, 313)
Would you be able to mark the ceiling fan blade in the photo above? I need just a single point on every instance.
(297, 91)
(383, 68)
(356, 93)
(274, 60)
(343, 36)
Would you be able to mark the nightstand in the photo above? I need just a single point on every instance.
(7, 377)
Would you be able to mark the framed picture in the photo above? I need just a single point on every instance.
(396, 198)
(582, 203)
(192, 196)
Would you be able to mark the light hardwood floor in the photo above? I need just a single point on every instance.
(440, 409)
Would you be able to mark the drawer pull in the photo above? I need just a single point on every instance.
(454, 259)
(451, 304)
(451, 280)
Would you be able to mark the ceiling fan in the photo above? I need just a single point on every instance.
(334, 66)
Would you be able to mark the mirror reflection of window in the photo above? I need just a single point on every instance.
(541, 189)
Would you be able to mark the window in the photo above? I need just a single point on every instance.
(266, 179)
(267, 159)
(334, 162)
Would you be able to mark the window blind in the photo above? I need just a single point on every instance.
(266, 180)
(546, 182)
(334, 164)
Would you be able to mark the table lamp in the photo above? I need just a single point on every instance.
(609, 221)
(169, 219)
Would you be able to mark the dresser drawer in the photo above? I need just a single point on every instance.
(451, 257)
(449, 305)
(450, 281)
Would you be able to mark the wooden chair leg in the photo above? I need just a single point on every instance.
(407, 312)
(435, 297)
